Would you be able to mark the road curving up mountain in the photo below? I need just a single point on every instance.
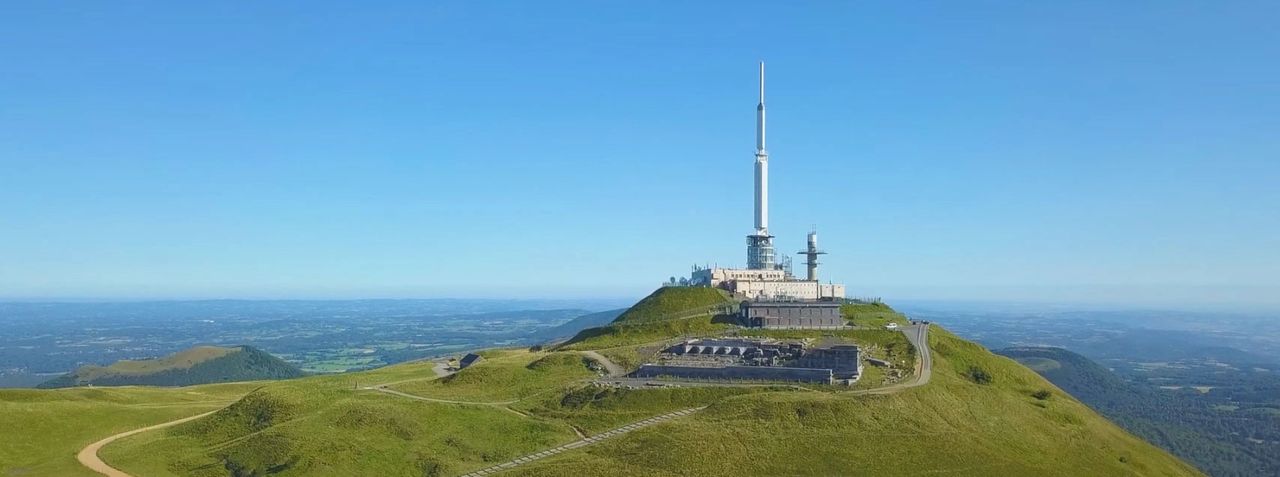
(959, 410)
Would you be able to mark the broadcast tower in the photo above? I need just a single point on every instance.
(760, 243)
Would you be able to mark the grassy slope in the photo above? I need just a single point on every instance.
(1173, 421)
(572, 327)
(198, 365)
(871, 315)
(667, 301)
(666, 313)
(182, 359)
(129, 368)
(635, 336)
(322, 425)
(952, 425)
(1040, 365)
(505, 375)
(595, 409)
(44, 429)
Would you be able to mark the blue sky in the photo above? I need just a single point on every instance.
(1123, 152)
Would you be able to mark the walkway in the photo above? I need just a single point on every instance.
(917, 335)
(582, 443)
(88, 456)
(613, 368)
(384, 389)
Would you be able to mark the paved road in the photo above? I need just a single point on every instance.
(582, 443)
(918, 335)
(921, 342)
(613, 368)
(88, 456)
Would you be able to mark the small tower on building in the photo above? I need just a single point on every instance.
(811, 257)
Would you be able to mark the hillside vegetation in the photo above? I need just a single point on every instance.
(42, 430)
(871, 315)
(198, 365)
(572, 327)
(1216, 439)
(323, 425)
(505, 375)
(981, 414)
(670, 302)
(667, 313)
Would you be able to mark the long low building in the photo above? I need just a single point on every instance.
(765, 284)
(792, 314)
(737, 373)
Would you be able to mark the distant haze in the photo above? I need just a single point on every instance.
(1049, 151)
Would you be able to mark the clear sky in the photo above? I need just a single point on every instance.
(1059, 151)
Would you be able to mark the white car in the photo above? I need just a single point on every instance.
(892, 326)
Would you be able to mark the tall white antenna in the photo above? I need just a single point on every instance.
(762, 166)
(760, 115)
(760, 243)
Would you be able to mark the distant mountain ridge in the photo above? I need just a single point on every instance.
(572, 327)
(198, 365)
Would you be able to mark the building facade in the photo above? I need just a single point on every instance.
(765, 284)
(792, 315)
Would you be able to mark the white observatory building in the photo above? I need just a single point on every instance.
(768, 278)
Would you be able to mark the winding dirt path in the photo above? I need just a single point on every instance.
(383, 389)
(917, 335)
(88, 456)
(582, 443)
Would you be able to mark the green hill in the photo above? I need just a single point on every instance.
(666, 313)
(1215, 439)
(198, 365)
(54, 424)
(957, 424)
(980, 414)
(576, 325)
(671, 302)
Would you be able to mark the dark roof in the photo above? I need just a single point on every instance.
(469, 360)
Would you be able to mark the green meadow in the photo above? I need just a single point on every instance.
(952, 426)
(44, 429)
(981, 414)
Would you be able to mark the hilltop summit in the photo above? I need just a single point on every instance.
(197, 365)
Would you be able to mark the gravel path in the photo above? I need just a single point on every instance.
(384, 389)
(613, 368)
(582, 443)
(88, 456)
(917, 335)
